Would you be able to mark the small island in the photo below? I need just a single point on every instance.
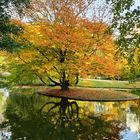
(87, 94)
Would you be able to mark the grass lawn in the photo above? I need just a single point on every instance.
(0, 97)
(93, 83)
(1, 108)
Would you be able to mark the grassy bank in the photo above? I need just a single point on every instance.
(93, 83)
(0, 97)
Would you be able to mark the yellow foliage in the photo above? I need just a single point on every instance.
(74, 46)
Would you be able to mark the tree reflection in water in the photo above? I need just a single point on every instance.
(31, 117)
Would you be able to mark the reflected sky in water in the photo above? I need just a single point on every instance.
(30, 116)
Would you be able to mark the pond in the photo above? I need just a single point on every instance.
(30, 116)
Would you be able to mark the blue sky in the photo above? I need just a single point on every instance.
(137, 2)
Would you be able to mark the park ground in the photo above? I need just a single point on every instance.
(98, 90)
(94, 83)
(95, 90)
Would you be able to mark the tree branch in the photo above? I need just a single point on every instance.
(82, 10)
(56, 83)
(77, 79)
(40, 78)
(56, 69)
(43, 54)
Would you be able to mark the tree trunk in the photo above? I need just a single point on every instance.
(65, 85)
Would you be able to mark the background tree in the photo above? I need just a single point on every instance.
(8, 10)
(126, 22)
(6, 28)
(130, 69)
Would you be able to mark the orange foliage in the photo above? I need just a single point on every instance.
(69, 46)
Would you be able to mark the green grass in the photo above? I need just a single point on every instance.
(0, 97)
(1, 108)
(136, 91)
(107, 84)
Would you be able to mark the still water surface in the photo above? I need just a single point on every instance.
(30, 116)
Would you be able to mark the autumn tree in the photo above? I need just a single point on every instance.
(63, 44)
